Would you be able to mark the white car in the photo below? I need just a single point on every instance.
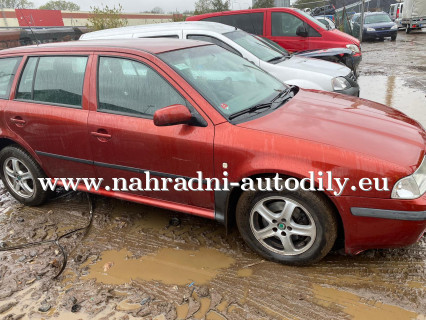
(304, 72)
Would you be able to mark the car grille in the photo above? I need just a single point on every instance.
(382, 29)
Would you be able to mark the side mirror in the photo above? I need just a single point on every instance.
(172, 115)
(301, 31)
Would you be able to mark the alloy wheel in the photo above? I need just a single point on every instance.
(19, 177)
(282, 225)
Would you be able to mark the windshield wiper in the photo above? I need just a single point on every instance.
(276, 58)
(251, 110)
(285, 94)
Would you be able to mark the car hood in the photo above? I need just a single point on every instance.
(349, 123)
(379, 25)
(324, 52)
(346, 36)
(316, 65)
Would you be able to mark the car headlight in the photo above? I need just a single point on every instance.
(411, 187)
(394, 27)
(353, 47)
(371, 29)
(340, 83)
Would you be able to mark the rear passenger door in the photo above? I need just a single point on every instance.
(49, 112)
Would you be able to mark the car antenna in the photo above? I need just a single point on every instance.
(31, 29)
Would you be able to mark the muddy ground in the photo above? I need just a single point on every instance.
(134, 263)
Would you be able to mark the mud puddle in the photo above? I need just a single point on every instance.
(393, 91)
(169, 266)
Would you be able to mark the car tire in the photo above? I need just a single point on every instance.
(268, 233)
(407, 29)
(19, 173)
(393, 38)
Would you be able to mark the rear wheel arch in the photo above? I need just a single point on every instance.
(235, 194)
(5, 142)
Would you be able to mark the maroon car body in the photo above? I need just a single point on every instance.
(314, 131)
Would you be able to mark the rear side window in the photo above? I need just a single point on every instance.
(249, 22)
(8, 68)
(131, 88)
(214, 41)
(54, 80)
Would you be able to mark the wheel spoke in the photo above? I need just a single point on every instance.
(265, 233)
(287, 244)
(302, 230)
(26, 176)
(15, 165)
(26, 188)
(288, 210)
(266, 214)
(9, 172)
(16, 186)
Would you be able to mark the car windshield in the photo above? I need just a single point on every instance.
(308, 16)
(273, 45)
(377, 18)
(230, 83)
(251, 44)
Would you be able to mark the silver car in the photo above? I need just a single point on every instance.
(304, 72)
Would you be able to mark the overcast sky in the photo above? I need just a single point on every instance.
(147, 5)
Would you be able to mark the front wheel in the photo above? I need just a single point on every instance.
(295, 228)
(20, 173)
(393, 38)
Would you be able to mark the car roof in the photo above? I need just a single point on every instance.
(153, 46)
(159, 27)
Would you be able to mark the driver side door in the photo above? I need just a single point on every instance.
(126, 143)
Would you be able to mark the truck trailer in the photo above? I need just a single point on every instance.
(414, 15)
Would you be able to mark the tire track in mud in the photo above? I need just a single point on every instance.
(373, 282)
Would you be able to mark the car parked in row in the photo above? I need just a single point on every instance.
(293, 29)
(117, 109)
(301, 71)
(326, 21)
(395, 12)
(377, 25)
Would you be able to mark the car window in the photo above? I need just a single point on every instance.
(253, 45)
(229, 82)
(249, 22)
(131, 88)
(377, 18)
(214, 41)
(58, 80)
(8, 68)
(285, 25)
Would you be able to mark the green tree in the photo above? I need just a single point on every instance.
(157, 10)
(206, 6)
(219, 5)
(16, 4)
(60, 5)
(263, 4)
(106, 17)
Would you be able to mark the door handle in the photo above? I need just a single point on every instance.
(18, 121)
(102, 136)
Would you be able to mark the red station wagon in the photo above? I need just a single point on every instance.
(118, 109)
(293, 29)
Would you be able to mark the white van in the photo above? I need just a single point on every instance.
(304, 72)
(395, 12)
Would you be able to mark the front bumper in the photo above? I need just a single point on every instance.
(372, 223)
(379, 34)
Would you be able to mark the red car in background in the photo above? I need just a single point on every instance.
(293, 29)
(117, 109)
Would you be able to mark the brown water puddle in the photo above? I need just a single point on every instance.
(170, 266)
(357, 307)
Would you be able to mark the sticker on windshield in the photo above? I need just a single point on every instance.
(224, 106)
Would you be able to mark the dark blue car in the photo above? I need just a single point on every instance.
(377, 25)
